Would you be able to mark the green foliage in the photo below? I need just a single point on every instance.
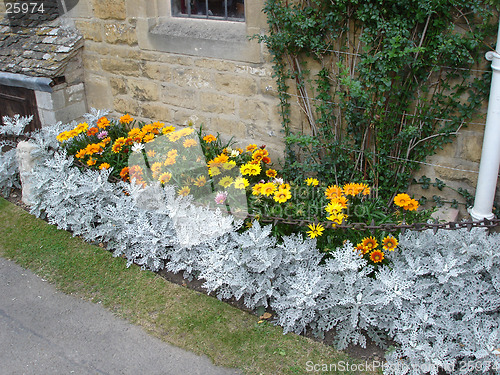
(394, 84)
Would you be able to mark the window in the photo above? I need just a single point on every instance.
(228, 10)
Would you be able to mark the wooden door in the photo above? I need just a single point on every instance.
(21, 101)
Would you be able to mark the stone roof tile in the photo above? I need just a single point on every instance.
(37, 47)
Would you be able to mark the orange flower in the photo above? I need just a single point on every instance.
(412, 205)
(341, 200)
(376, 256)
(209, 138)
(104, 166)
(124, 173)
(91, 162)
(266, 160)
(389, 243)
(92, 131)
(251, 148)
(370, 243)
(271, 173)
(102, 123)
(126, 119)
(363, 249)
(259, 154)
(333, 192)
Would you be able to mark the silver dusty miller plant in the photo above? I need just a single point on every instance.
(439, 302)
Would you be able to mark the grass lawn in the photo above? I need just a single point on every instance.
(177, 315)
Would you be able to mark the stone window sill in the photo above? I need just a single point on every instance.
(205, 38)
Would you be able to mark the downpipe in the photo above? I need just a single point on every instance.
(490, 155)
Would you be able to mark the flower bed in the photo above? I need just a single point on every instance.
(439, 299)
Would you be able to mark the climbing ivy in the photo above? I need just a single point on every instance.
(382, 83)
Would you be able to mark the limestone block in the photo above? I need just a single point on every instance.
(157, 112)
(179, 97)
(216, 64)
(120, 34)
(120, 66)
(110, 9)
(235, 84)
(229, 126)
(118, 86)
(126, 105)
(26, 162)
(446, 214)
(217, 103)
(157, 71)
(98, 92)
(255, 110)
(197, 79)
(471, 146)
(143, 90)
(91, 30)
(75, 93)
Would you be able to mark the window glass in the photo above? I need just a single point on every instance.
(229, 10)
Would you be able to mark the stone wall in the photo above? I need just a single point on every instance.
(126, 72)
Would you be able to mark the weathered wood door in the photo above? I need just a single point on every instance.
(19, 101)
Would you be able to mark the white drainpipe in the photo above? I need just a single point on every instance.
(490, 156)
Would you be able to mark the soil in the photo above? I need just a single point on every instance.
(371, 353)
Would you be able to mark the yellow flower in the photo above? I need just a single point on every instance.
(168, 129)
(389, 243)
(184, 191)
(402, 199)
(213, 171)
(312, 182)
(169, 161)
(174, 136)
(250, 169)
(376, 256)
(151, 153)
(200, 181)
(104, 166)
(241, 183)
(226, 181)
(315, 230)
(148, 137)
(257, 189)
(186, 131)
(334, 207)
(209, 138)
(118, 145)
(370, 243)
(126, 119)
(91, 162)
(282, 195)
(229, 165)
(337, 218)
(189, 143)
(82, 127)
(165, 177)
(268, 188)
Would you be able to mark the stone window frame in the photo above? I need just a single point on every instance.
(226, 40)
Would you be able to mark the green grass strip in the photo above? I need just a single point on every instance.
(175, 314)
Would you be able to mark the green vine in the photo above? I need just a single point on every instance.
(390, 82)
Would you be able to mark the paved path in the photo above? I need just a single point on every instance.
(46, 332)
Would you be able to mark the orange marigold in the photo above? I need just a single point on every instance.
(370, 243)
(402, 199)
(102, 123)
(209, 138)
